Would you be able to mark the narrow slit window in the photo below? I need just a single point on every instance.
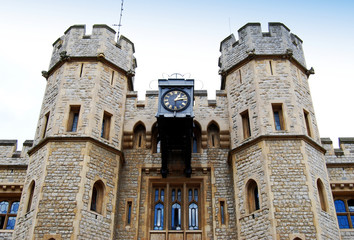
(270, 67)
(97, 197)
(240, 75)
(213, 136)
(246, 124)
(73, 118)
(30, 196)
(307, 122)
(46, 120)
(112, 78)
(321, 195)
(222, 212)
(106, 125)
(82, 67)
(139, 136)
(129, 212)
(278, 117)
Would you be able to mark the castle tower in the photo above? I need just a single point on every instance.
(281, 184)
(72, 179)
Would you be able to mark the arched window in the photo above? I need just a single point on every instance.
(155, 140)
(97, 197)
(30, 196)
(321, 194)
(213, 136)
(197, 133)
(176, 213)
(159, 208)
(139, 136)
(252, 196)
(297, 238)
(193, 222)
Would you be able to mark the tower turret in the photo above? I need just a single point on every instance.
(278, 162)
(73, 171)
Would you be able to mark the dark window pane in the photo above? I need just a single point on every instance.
(176, 217)
(195, 147)
(11, 223)
(222, 210)
(2, 222)
(75, 120)
(14, 207)
(162, 195)
(256, 198)
(4, 206)
(173, 195)
(102, 128)
(94, 199)
(351, 205)
(190, 197)
(156, 195)
(179, 195)
(129, 212)
(343, 221)
(340, 206)
(277, 121)
(196, 195)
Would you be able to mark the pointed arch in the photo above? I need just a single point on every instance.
(97, 197)
(213, 135)
(139, 140)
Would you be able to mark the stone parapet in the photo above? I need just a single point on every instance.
(8, 150)
(252, 42)
(100, 43)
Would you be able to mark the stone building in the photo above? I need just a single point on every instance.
(248, 165)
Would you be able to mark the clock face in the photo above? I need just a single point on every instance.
(175, 100)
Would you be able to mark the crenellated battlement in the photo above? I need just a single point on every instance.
(253, 42)
(100, 44)
(345, 150)
(8, 149)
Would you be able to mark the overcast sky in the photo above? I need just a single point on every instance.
(175, 36)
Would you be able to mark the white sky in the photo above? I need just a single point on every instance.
(175, 36)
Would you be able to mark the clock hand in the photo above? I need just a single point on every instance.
(178, 96)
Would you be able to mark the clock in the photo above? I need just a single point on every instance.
(175, 100)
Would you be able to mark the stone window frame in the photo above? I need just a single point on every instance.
(139, 136)
(107, 119)
(73, 118)
(213, 131)
(167, 187)
(322, 195)
(246, 126)
(45, 124)
(97, 206)
(253, 202)
(308, 125)
(223, 202)
(197, 138)
(280, 110)
(30, 194)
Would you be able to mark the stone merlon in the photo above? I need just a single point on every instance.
(101, 43)
(253, 42)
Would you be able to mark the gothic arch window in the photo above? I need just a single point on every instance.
(30, 195)
(97, 197)
(159, 200)
(252, 196)
(322, 195)
(139, 136)
(213, 135)
(197, 133)
(155, 140)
